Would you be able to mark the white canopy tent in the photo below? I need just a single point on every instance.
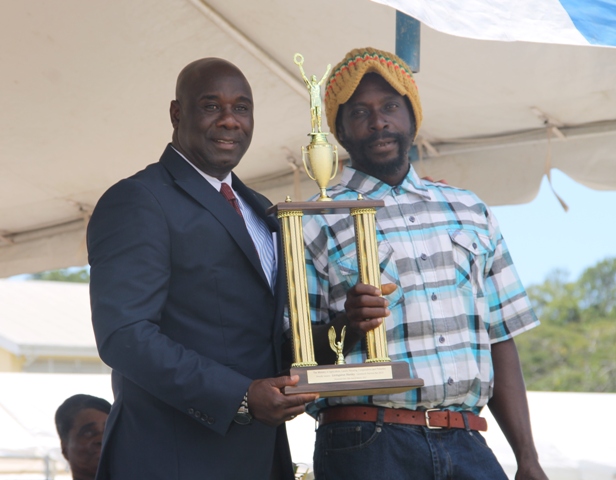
(85, 88)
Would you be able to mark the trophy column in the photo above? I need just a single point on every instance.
(299, 310)
(370, 274)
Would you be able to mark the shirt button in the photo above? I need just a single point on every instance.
(441, 339)
(433, 296)
(397, 190)
(474, 245)
(412, 219)
(424, 256)
(450, 381)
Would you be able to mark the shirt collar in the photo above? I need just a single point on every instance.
(212, 180)
(371, 187)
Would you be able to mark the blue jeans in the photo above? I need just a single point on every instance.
(373, 450)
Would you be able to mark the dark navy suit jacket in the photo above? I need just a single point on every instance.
(184, 315)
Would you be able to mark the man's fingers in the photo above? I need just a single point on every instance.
(366, 302)
(364, 289)
(367, 313)
(368, 325)
(369, 295)
(291, 399)
(388, 288)
(301, 399)
(268, 404)
(284, 381)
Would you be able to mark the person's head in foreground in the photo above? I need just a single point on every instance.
(80, 422)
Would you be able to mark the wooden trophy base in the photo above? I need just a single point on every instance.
(354, 379)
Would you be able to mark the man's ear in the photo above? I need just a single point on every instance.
(174, 113)
(341, 134)
(63, 446)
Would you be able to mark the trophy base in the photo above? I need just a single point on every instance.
(353, 379)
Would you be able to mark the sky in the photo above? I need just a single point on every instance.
(542, 237)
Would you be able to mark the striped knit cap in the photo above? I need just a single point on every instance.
(345, 78)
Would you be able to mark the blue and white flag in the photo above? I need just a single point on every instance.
(570, 22)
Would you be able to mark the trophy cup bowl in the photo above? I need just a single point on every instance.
(322, 162)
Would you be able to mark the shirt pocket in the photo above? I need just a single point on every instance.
(470, 251)
(348, 269)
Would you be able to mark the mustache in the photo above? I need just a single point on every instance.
(381, 136)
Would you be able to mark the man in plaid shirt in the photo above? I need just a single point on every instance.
(452, 301)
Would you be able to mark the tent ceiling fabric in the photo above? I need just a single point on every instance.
(86, 89)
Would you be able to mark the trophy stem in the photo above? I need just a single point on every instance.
(297, 284)
(323, 196)
(369, 273)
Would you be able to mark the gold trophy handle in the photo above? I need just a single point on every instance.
(335, 167)
(298, 59)
(304, 155)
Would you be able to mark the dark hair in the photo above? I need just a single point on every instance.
(72, 406)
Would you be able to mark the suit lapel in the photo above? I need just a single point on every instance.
(200, 189)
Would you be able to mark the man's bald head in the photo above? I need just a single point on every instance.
(212, 115)
(192, 73)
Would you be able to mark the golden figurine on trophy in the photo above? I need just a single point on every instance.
(337, 347)
(314, 88)
(320, 152)
(378, 375)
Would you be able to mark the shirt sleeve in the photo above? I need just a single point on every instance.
(510, 310)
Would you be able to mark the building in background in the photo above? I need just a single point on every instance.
(45, 327)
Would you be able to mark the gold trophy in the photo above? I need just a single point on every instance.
(378, 375)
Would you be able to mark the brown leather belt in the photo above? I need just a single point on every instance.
(426, 418)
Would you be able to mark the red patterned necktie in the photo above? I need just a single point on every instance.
(258, 234)
(226, 192)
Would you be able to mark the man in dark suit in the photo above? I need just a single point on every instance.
(187, 298)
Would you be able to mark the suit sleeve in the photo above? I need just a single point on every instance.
(129, 253)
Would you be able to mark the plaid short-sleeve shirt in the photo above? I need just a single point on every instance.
(458, 291)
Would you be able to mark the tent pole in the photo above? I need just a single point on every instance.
(408, 40)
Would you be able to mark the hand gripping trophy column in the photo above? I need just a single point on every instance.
(378, 375)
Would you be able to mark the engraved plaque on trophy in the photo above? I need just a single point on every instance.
(378, 374)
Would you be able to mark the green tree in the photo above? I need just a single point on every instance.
(573, 350)
(598, 287)
(556, 299)
(80, 275)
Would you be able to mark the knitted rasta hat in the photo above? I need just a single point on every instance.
(345, 78)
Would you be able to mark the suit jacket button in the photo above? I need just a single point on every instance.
(191, 411)
(210, 421)
(197, 414)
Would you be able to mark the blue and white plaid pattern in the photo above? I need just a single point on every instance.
(458, 291)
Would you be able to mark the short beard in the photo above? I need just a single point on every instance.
(362, 162)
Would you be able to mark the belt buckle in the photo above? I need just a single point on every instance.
(427, 416)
